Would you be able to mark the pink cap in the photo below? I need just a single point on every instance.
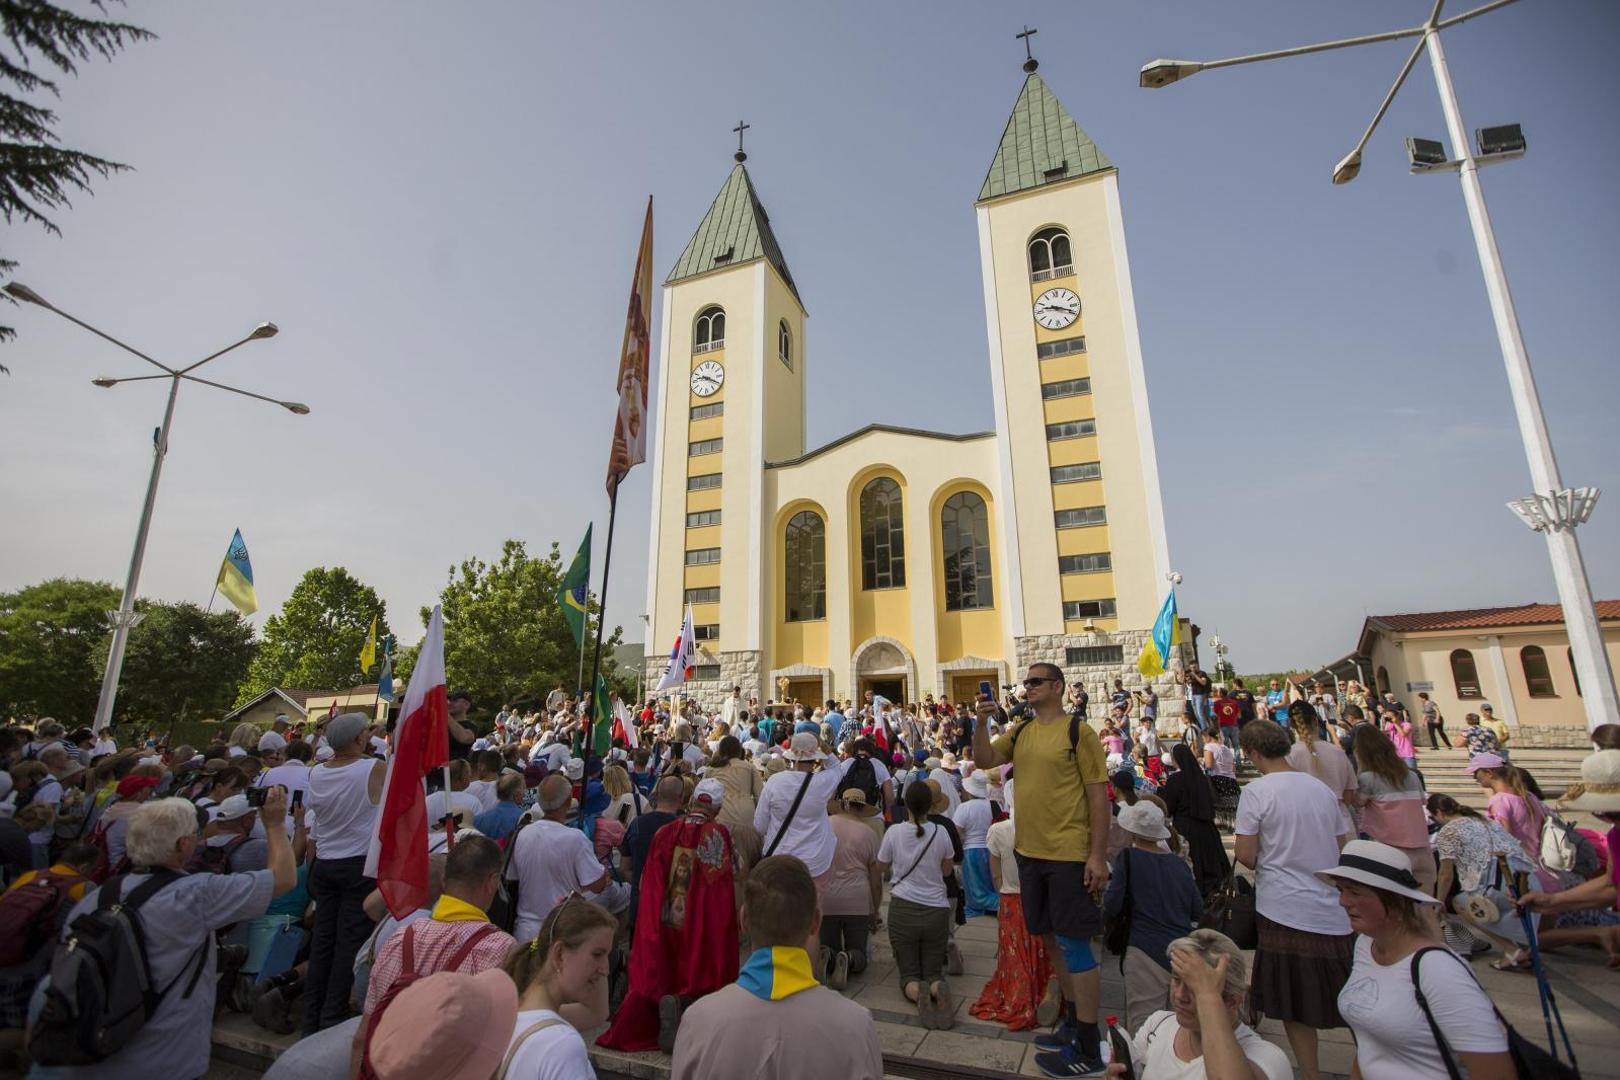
(1484, 761)
(447, 1026)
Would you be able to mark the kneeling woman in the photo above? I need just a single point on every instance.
(918, 853)
(561, 979)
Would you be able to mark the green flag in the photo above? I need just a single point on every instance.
(602, 731)
(571, 597)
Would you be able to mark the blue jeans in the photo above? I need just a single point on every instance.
(1200, 708)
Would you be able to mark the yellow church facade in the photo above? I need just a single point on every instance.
(903, 561)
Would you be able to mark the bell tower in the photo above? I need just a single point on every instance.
(730, 398)
(1079, 500)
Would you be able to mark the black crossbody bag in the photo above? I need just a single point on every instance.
(794, 809)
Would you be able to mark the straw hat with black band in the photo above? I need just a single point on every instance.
(1377, 866)
(1598, 791)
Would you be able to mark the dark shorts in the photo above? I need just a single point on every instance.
(1055, 899)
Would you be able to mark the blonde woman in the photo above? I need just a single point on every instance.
(562, 983)
(244, 737)
(1322, 759)
(627, 804)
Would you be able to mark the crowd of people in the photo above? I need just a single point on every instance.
(709, 885)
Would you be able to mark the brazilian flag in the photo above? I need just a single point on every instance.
(602, 729)
(571, 597)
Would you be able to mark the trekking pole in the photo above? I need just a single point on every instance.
(1544, 991)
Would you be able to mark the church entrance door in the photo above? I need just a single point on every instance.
(892, 687)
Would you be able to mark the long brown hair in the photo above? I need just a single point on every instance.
(1375, 753)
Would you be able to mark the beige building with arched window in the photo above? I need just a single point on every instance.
(896, 560)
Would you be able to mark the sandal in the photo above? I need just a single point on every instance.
(1514, 961)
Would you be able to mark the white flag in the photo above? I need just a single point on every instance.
(681, 657)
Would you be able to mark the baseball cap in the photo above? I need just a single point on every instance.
(710, 791)
(272, 741)
(1484, 761)
(233, 808)
(130, 786)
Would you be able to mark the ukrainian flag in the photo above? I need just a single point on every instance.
(236, 577)
(1155, 658)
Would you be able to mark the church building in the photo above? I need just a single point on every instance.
(897, 560)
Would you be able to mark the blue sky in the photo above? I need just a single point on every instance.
(440, 212)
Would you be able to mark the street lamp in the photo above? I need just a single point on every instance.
(125, 618)
(1551, 509)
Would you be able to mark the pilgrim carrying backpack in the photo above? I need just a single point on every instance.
(28, 915)
(101, 993)
(863, 775)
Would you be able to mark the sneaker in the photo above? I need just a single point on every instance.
(838, 974)
(1059, 1037)
(953, 959)
(669, 1021)
(1069, 1062)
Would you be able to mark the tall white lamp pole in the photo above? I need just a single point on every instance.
(125, 618)
(1551, 509)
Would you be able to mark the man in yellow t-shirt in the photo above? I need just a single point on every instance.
(1060, 841)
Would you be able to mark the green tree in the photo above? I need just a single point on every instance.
(315, 640)
(36, 174)
(182, 658)
(53, 646)
(505, 639)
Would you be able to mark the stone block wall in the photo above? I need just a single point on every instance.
(1099, 678)
(737, 668)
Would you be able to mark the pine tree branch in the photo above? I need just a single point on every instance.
(60, 36)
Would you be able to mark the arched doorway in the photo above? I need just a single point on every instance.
(885, 667)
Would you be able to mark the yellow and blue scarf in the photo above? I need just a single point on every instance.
(776, 972)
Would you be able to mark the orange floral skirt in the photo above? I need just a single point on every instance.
(1022, 971)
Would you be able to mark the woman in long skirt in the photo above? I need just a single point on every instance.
(1190, 801)
(973, 819)
(1023, 969)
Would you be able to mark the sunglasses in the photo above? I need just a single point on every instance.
(1033, 682)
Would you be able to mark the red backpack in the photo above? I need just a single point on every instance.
(28, 915)
(408, 975)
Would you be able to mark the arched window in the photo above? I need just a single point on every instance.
(784, 344)
(1574, 675)
(1049, 255)
(1464, 674)
(710, 331)
(805, 567)
(883, 536)
(964, 532)
(1537, 675)
(1383, 680)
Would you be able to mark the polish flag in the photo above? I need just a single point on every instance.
(398, 856)
(623, 728)
(681, 657)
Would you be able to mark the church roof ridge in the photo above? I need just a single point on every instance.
(736, 230)
(1041, 144)
(893, 429)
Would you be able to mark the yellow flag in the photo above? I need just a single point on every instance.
(368, 654)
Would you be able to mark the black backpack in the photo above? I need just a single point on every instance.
(863, 775)
(214, 858)
(101, 993)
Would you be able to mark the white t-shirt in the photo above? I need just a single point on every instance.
(972, 818)
(549, 861)
(292, 775)
(1297, 820)
(809, 835)
(459, 800)
(1154, 1051)
(1393, 1040)
(484, 792)
(552, 1053)
(1331, 765)
(902, 848)
(999, 840)
(345, 816)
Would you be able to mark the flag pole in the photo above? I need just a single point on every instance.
(584, 629)
(601, 622)
(210, 608)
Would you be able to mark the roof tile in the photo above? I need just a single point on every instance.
(736, 221)
(1486, 618)
(1040, 136)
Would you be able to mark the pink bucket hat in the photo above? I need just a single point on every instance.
(447, 1026)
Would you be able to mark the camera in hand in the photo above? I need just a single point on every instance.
(255, 796)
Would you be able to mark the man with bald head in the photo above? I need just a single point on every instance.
(551, 859)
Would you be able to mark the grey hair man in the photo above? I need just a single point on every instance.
(551, 859)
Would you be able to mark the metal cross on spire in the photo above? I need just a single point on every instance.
(1030, 63)
(739, 129)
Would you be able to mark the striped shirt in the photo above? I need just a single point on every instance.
(434, 942)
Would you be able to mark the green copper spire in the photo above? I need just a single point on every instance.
(1042, 145)
(736, 230)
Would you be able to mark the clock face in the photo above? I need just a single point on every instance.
(709, 376)
(1057, 309)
